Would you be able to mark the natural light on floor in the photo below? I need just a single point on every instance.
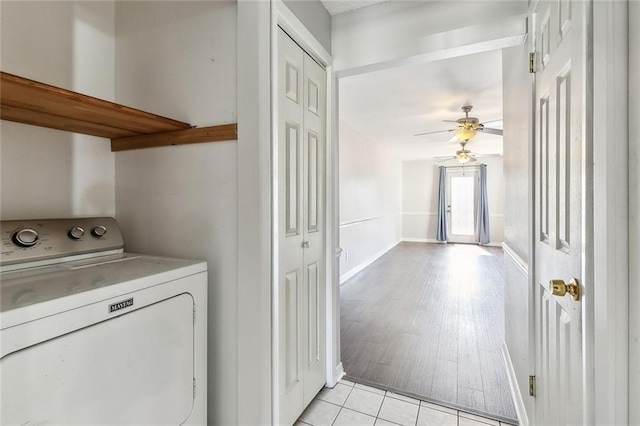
(464, 276)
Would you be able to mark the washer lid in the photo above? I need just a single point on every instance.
(85, 281)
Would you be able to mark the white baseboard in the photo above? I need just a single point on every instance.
(339, 373)
(429, 240)
(422, 240)
(344, 277)
(518, 402)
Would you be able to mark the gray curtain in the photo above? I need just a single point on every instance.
(482, 222)
(442, 206)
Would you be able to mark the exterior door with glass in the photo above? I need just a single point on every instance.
(462, 190)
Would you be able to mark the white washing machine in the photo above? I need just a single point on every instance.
(91, 335)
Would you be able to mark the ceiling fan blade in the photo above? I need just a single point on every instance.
(492, 121)
(492, 131)
(431, 133)
(450, 121)
(445, 160)
(488, 156)
(454, 139)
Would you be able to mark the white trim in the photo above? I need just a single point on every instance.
(344, 277)
(531, 284)
(254, 213)
(430, 240)
(275, 253)
(517, 260)
(368, 219)
(338, 375)
(332, 239)
(436, 213)
(607, 315)
(420, 213)
(518, 402)
(423, 240)
(634, 212)
(437, 55)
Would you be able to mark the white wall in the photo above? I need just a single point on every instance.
(370, 200)
(315, 18)
(47, 173)
(517, 234)
(420, 199)
(179, 59)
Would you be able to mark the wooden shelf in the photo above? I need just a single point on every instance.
(31, 102)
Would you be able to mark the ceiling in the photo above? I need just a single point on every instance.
(391, 106)
(335, 7)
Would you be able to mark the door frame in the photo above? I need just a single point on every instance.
(607, 336)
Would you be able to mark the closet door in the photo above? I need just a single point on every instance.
(300, 308)
(314, 291)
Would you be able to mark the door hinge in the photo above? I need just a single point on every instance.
(532, 386)
(194, 314)
(194, 388)
(532, 62)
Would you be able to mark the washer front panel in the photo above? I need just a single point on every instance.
(132, 369)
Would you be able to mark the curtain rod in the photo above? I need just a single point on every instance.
(462, 167)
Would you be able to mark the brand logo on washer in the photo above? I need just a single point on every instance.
(120, 305)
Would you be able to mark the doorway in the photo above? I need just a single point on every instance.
(409, 314)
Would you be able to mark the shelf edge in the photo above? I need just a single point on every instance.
(224, 132)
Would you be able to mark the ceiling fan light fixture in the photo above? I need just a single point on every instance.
(465, 133)
(463, 156)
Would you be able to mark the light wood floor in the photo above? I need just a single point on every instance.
(428, 320)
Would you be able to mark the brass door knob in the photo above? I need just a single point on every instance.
(560, 288)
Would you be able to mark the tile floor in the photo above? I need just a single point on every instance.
(353, 404)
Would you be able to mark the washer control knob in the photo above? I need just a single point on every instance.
(25, 237)
(76, 232)
(99, 231)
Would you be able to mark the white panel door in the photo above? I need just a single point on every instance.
(301, 95)
(313, 169)
(559, 139)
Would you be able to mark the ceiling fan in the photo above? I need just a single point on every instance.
(463, 155)
(467, 127)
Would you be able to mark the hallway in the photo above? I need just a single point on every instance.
(427, 320)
